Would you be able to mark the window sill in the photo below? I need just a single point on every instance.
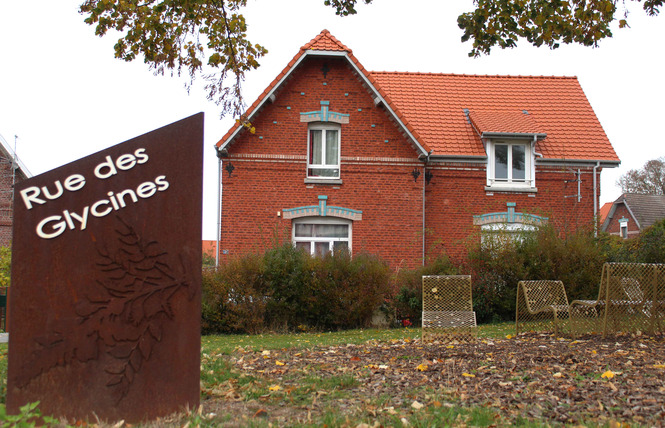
(323, 181)
(511, 189)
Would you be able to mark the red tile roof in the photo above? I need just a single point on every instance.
(504, 122)
(431, 108)
(325, 42)
(604, 211)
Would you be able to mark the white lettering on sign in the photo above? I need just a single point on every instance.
(125, 162)
(54, 226)
(31, 194)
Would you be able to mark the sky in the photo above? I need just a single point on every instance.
(64, 96)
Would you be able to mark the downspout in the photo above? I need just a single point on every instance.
(424, 184)
(535, 154)
(595, 200)
(219, 206)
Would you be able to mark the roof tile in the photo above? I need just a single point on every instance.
(431, 107)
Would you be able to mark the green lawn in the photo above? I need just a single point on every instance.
(226, 344)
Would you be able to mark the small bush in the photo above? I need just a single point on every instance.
(349, 290)
(649, 246)
(285, 289)
(575, 259)
(234, 297)
(5, 266)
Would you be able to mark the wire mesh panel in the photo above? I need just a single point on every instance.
(631, 299)
(448, 308)
(542, 305)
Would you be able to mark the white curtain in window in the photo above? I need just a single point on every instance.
(316, 147)
(332, 148)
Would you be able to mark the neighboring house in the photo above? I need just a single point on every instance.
(209, 248)
(12, 171)
(406, 165)
(633, 212)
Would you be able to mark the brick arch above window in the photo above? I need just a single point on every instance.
(324, 115)
(509, 217)
(322, 210)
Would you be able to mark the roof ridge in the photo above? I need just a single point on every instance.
(320, 43)
(422, 73)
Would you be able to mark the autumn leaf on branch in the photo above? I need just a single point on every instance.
(544, 22)
(201, 38)
(206, 38)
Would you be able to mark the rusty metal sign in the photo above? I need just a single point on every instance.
(104, 306)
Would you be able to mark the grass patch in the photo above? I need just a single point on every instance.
(227, 344)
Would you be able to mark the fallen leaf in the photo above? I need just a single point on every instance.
(608, 374)
(468, 375)
(279, 363)
(275, 388)
(422, 367)
(557, 375)
(417, 405)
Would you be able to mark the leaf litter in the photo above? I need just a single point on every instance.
(539, 378)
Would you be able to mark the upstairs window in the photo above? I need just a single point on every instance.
(323, 151)
(510, 165)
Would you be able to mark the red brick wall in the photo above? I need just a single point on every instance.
(376, 175)
(270, 168)
(457, 192)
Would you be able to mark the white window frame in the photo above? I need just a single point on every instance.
(526, 184)
(313, 240)
(324, 127)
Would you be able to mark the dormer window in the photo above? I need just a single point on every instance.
(510, 165)
(323, 151)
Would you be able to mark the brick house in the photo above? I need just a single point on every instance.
(12, 171)
(633, 212)
(406, 165)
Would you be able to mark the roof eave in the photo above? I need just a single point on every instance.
(581, 162)
(514, 135)
(458, 158)
(221, 148)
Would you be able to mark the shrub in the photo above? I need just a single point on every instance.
(234, 297)
(348, 290)
(287, 278)
(649, 246)
(5, 266)
(286, 289)
(575, 259)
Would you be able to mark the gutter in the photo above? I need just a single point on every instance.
(424, 184)
(595, 199)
